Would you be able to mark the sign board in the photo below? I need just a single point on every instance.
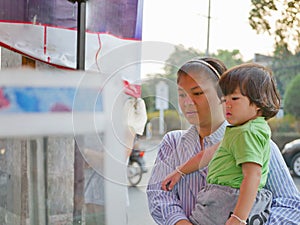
(162, 96)
(42, 103)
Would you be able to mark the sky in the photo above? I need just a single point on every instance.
(185, 22)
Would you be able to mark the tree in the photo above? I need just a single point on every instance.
(291, 98)
(179, 56)
(148, 91)
(230, 58)
(281, 19)
(285, 67)
(286, 27)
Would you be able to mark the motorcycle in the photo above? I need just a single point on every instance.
(136, 167)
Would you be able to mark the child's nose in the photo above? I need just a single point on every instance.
(228, 105)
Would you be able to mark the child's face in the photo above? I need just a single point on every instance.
(238, 108)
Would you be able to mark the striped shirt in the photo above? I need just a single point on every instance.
(177, 147)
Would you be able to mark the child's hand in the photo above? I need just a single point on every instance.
(169, 182)
(234, 221)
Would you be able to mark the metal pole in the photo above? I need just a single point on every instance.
(161, 122)
(78, 200)
(81, 27)
(208, 30)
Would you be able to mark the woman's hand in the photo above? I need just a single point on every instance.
(169, 182)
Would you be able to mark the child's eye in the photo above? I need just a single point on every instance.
(223, 100)
(235, 98)
(182, 95)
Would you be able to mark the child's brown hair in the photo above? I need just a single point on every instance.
(257, 83)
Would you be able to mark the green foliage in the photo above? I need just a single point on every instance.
(286, 32)
(286, 27)
(284, 130)
(149, 89)
(291, 98)
(285, 66)
(285, 124)
(176, 59)
(148, 92)
(230, 58)
(182, 55)
(173, 121)
(259, 13)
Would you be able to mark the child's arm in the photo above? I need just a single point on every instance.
(198, 161)
(248, 192)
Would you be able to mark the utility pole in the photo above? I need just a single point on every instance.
(208, 29)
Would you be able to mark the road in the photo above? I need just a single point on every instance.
(138, 212)
(138, 209)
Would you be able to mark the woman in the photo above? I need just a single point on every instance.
(198, 99)
(238, 170)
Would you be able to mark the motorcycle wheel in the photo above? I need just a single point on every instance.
(134, 173)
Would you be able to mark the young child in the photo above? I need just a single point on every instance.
(238, 167)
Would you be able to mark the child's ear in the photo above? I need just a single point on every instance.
(259, 112)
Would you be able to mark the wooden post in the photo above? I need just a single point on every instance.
(24, 183)
(37, 173)
(26, 190)
(27, 62)
(78, 200)
(38, 211)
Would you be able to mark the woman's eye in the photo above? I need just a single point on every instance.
(198, 93)
(181, 95)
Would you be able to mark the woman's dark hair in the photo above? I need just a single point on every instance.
(257, 83)
(214, 67)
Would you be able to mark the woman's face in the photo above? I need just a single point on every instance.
(198, 99)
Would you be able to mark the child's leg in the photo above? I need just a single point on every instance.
(214, 204)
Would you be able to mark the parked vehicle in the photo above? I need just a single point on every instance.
(136, 167)
(291, 155)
